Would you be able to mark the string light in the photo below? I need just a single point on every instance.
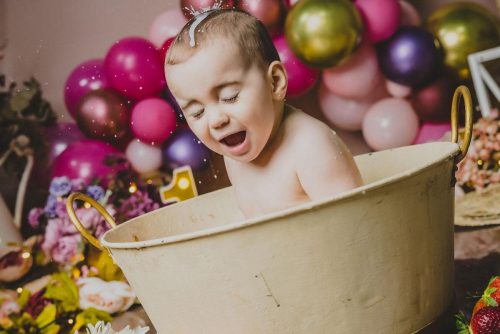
(25, 255)
(19, 290)
(132, 188)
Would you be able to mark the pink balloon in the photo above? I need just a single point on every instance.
(347, 113)
(390, 123)
(86, 160)
(357, 77)
(133, 67)
(300, 77)
(430, 132)
(397, 90)
(166, 25)
(409, 14)
(85, 77)
(381, 17)
(153, 120)
(144, 158)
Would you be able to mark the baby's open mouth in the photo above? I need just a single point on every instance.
(234, 139)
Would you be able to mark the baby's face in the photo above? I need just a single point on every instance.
(230, 108)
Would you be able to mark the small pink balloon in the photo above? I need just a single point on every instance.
(390, 123)
(84, 78)
(269, 12)
(347, 113)
(86, 160)
(301, 78)
(153, 120)
(166, 25)
(431, 132)
(144, 158)
(409, 14)
(357, 77)
(381, 17)
(134, 68)
(397, 90)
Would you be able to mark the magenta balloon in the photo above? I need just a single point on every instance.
(85, 77)
(357, 77)
(390, 123)
(133, 67)
(300, 77)
(431, 132)
(85, 160)
(381, 17)
(153, 120)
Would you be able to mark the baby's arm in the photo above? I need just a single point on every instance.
(325, 166)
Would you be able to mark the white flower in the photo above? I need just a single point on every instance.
(110, 297)
(105, 328)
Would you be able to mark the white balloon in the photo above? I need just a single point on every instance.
(144, 158)
(166, 25)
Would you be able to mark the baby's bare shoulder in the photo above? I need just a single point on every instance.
(303, 129)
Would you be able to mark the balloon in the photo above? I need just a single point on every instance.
(84, 78)
(410, 57)
(59, 136)
(134, 68)
(430, 132)
(153, 120)
(289, 3)
(189, 6)
(269, 12)
(144, 158)
(396, 89)
(300, 77)
(164, 48)
(165, 26)
(103, 114)
(183, 148)
(381, 18)
(409, 14)
(347, 113)
(357, 77)
(464, 28)
(334, 36)
(433, 102)
(85, 160)
(390, 123)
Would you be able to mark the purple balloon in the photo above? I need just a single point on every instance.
(300, 77)
(133, 67)
(410, 57)
(85, 160)
(85, 77)
(59, 137)
(184, 148)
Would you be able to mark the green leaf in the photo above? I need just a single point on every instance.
(47, 316)
(490, 301)
(51, 329)
(23, 298)
(90, 316)
(461, 323)
(64, 291)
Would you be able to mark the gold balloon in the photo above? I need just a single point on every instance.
(462, 29)
(323, 33)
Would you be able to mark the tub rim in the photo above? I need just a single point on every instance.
(451, 153)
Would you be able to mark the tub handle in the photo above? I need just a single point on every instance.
(79, 226)
(461, 91)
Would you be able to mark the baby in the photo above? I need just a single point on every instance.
(226, 75)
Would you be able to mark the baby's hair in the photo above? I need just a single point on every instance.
(251, 37)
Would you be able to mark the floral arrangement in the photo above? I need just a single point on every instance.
(481, 166)
(83, 285)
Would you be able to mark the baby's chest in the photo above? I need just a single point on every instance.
(265, 191)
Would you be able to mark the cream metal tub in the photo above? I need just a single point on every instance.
(378, 259)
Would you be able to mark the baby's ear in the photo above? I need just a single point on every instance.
(277, 76)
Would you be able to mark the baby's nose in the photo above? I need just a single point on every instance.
(218, 119)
